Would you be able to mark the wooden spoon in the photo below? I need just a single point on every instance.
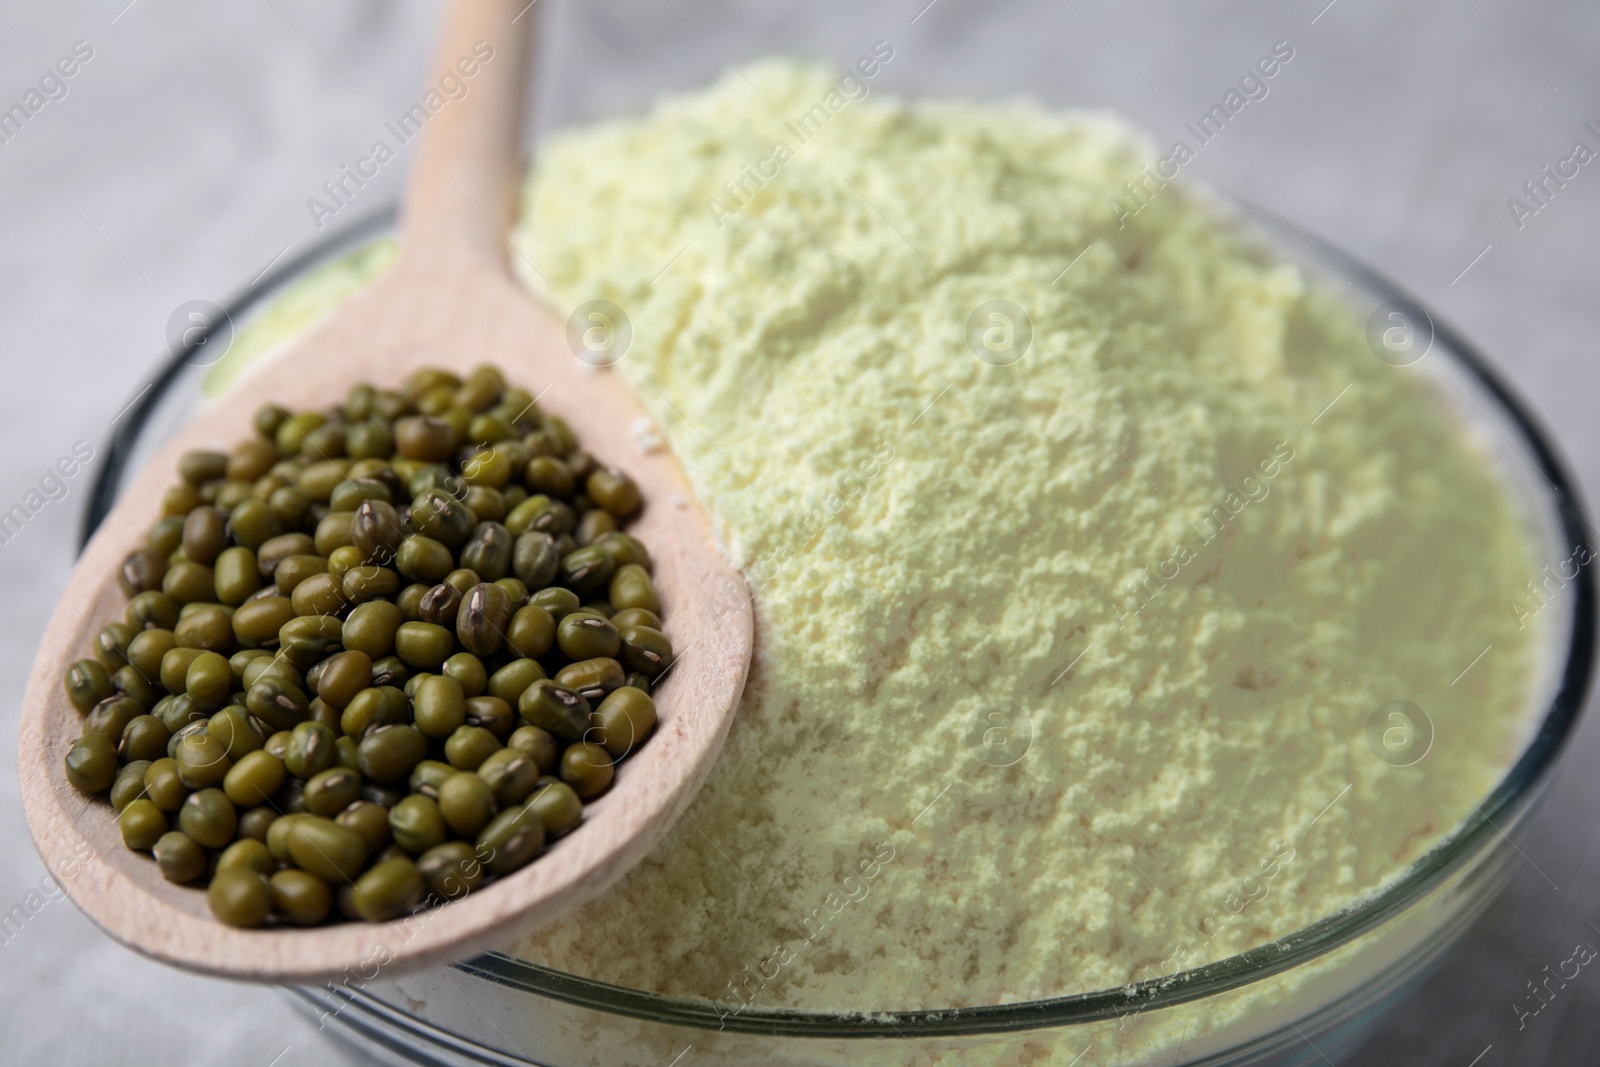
(448, 301)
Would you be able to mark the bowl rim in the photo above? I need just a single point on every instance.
(1518, 787)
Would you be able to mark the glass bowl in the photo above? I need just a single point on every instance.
(1296, 1000)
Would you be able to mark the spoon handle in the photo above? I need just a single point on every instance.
(461, 198)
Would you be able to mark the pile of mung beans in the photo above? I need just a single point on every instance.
(374, 656)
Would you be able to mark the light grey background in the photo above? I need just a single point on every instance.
(179, 164)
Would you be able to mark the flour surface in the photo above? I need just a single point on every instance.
(1067, 669)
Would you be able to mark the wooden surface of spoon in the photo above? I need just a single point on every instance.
(448, 301)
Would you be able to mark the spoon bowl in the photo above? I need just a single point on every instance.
(448, 301)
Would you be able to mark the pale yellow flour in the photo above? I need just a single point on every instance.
(1130, 558)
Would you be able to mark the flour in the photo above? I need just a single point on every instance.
(1048, 634)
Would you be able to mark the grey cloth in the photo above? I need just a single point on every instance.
(176, 162)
